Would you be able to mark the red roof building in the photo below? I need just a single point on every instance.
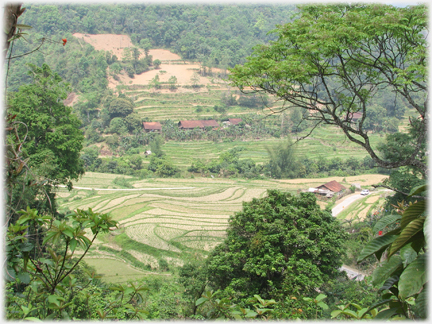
(152, 127)
(332, 186)
(191, 124)
(235, 121)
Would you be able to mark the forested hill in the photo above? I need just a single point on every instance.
(224, 35)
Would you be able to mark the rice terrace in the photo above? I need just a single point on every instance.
(206, 161)
(172, 218)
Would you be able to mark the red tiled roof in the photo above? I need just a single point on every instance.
(211, 123)
(333, 186)
(235, 121)
(190, 124)
(152, 125)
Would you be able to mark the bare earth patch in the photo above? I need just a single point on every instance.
(372, 199)
(107, 42)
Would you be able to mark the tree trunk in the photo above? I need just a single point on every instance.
(10, 17)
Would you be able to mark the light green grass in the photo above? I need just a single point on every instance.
(114, 271)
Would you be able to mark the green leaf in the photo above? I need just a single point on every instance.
(389, 283)
(32, 319)
(385, 221)
(413, 212)
(47, 261)
(53, 300)
(48, 236)
(407, 233)
(413, 277)
(251, 314)
(68, 233)
(335, 313)
(22, 26)
(426, 230)
(350, 313)
(201, 301)
(386, 314)
(417, 190)
(386, 269)
(320, 297)
(73, 244)
(65, 315)
(376, 245)
(421, 303)
(24, 277)
(26, 247)
(377, 304)
(322, 305)
(407, 254)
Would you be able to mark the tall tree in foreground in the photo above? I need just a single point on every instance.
(53, 140)
(278, 243)
(334, 60)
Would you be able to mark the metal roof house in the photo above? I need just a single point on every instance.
(152, 127)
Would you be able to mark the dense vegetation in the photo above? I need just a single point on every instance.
(282, 253)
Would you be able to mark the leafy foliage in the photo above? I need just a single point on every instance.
(280, 242)
(402, 275)
(333, 60)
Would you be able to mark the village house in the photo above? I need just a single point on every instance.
(333, 187)
(152, 127)
(191, 124)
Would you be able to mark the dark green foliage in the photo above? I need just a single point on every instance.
(51, 137)
(163, 167)
(283, 161)
(193, 276)
(280, 242)
(120, 108)
(402, 277)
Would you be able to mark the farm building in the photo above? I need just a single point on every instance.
(191, 124)
(235, 121)
(152, 127)
(331, 188)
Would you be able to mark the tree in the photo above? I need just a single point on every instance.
(282, 162)
(53, 140)
(195, 79)
(120, 107)
(334, 60)
(172, 81)
(280, 242)
(155, 83)
(145, 45)
(157, 63)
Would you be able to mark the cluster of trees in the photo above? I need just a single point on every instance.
(223, 35)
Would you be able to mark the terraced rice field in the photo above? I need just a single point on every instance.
(166, 219)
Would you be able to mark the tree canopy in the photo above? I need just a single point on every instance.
(278, 242)
(335, 60)
(53, 139)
